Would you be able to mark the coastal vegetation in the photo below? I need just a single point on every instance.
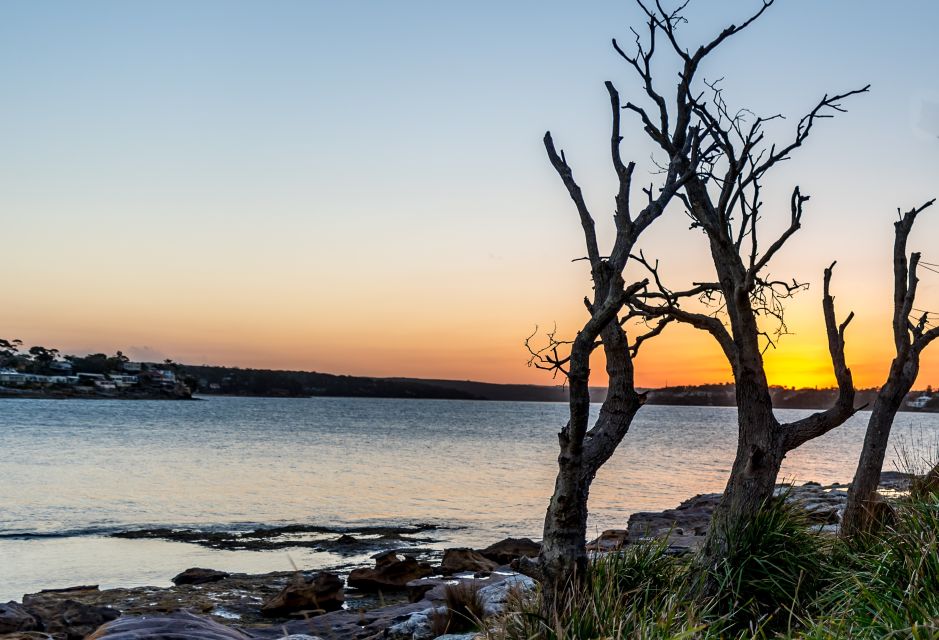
(783, 579)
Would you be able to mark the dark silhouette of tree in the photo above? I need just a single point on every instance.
(585, 448)
(8, 351)
(43, 357)
(913, 330)
(723, 200)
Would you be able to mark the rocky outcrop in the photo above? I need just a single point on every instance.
(312, 596)
(15, 617)
(174, 626)
(609, 540)
(418, 625)
(505, 551)
(464, 559)
(197, 575)
(64, 617)
(494, 597)
(690, 518)
(390, 573)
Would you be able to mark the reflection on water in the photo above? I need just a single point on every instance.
(91, 467)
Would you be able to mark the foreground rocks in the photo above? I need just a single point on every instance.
(390, 573)
(465, 560)
(174, 626)
(686, 525)
(402, 597)
(64, 617)
(312, 596)
(510, 549)
(199, 576)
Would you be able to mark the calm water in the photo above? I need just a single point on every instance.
(73, 471)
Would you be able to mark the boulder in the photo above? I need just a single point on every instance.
(321, 593)
(174, 626)
(609, 540)
(463, 559)
(67, 618)
(14, 617)
(418, 625)
(196, 575)
(693, 516)
(495, 596)
(390, 573)
(505, 551)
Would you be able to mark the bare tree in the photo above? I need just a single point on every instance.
(723, 199)
(912, 333)
(584, 448)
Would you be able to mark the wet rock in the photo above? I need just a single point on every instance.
(822, 513)
(691, 516)
(505, 551)
(609, 540)
(417, 589)
(67, 618)
(14, 617)
(174, 626)
(321, 593)
(418, 625)
(196, 575)
(463, 559)
(495, 596)
(390, 572)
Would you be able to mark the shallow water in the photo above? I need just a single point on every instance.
(73, 471)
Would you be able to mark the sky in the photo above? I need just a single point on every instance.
(361, 187)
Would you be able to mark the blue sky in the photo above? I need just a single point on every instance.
(361, 186)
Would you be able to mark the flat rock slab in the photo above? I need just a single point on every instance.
(175, 626)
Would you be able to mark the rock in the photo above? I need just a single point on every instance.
(822, 513)
(195, 575)
(174, 626)
(692, 515)
(495, 596)
(390, 572)
(460, 636)
(609, 540)
(463, 559)
(14, 617)
(417, 589)
(416, 626)
(67, 618)
(505, 551)
(321, 593)
(300, 636)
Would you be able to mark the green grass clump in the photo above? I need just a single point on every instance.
(770, 574)
(780, 579)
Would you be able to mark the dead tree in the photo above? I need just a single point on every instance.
(585, 448)
(723, 200)
(912, 333)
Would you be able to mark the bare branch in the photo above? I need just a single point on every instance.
(656, 330)
(801, 431)
(567, 177)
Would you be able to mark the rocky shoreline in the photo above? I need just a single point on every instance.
(400, 597)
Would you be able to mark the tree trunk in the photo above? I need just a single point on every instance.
(860, 513)
(752, 479)
(563, 558)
